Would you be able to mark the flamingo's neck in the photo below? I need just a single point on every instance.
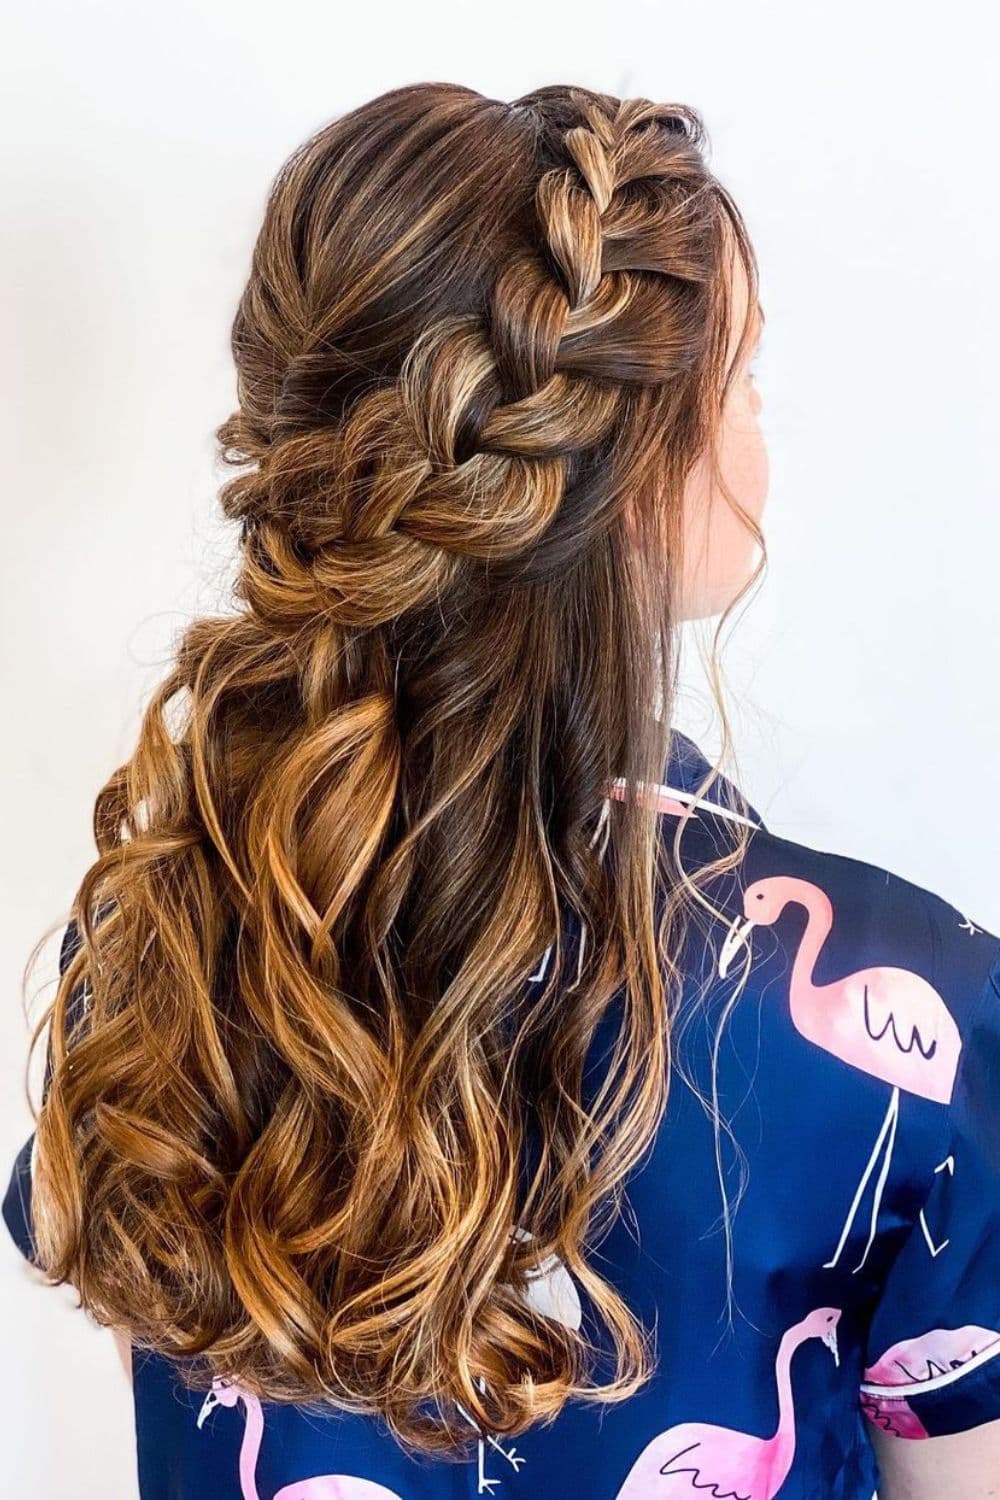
(253, 1436)
(783, 1442)
(817, 930)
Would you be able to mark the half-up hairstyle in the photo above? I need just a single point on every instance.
(283, 1139)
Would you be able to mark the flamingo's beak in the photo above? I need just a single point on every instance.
(830, 1340)
(736, 938)
(209, 1403)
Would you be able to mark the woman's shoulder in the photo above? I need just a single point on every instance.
(863, 1003)
(862, 1013)
(841, 913)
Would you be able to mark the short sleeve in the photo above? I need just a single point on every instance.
(933, 1358)
(17, 1198)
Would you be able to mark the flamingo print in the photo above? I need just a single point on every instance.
(484, 1484)
(888, 1022)
(918, 1365)
(552, 1292)
(720, 1462)
(322, 1487)
(675, 801)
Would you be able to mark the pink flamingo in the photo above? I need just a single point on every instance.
(323, 1487)
(724, 1463)
(915, 1366)
(888, 1022)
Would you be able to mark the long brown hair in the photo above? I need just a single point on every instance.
(480, 347)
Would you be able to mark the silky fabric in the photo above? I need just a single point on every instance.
(835, 1101)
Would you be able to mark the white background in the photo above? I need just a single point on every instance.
(137, 147)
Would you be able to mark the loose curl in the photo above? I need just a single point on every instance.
(294, 1055)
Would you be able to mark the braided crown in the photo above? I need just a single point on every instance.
(469, 453)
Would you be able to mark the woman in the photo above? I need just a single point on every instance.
(454, 1088)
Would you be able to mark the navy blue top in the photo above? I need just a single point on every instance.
(849, 1024)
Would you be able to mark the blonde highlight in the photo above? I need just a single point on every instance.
(294, 1051)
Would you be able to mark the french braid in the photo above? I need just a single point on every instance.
(469, 453)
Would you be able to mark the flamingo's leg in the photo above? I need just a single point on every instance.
(467, 1415)
(948, 1165)
(892, 1115)
(484, 1486)
(880, 1148)
(511, 1454)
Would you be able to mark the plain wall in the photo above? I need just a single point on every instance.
(137, 146)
